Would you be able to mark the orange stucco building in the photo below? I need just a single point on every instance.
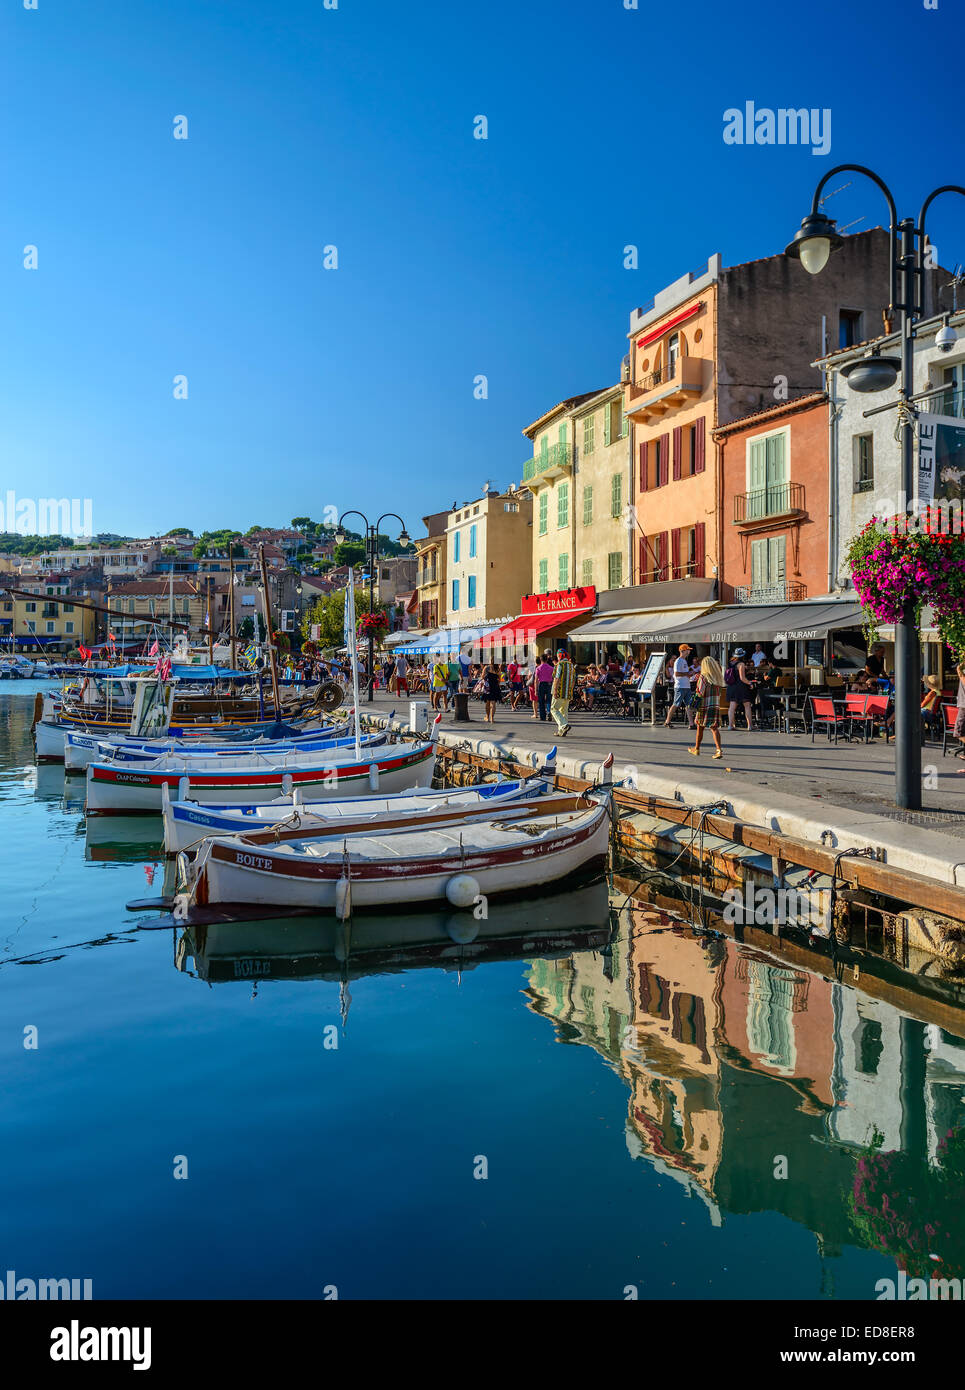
(773, 518)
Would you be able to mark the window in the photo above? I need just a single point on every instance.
(455, 596)
(616, 494)
(68, 627)
(614, 569)
(767, 562)
(31, 607)
(510, 506)
(863, 462)
(475, 511)
(953, 398)
(564, 571)
(587, 573)
(51, 627)
(849, 327)
(563, 504)
(472, 542)
(589, 434)
(130, 605)
(471, 591)
(767, 475)
(186, 606)
(456, 547)
(587, 506)
(673, 352)
(68, 607)
(544, 582)
(543, 510)
(562, 433)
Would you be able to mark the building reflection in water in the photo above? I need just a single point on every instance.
(732, 1058)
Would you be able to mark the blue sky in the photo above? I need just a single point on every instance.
(308, 127)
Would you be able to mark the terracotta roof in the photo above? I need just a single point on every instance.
(773, 412)
(566, 404)
(150, 587)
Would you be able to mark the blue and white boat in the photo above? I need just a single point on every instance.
(82, 749)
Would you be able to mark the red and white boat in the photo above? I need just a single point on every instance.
(123, 789)
(462, 864)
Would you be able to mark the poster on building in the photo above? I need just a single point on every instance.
(941, 459)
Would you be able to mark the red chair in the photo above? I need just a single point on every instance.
(949, 715)
(856, 708)
(876, 710)
(823, 712)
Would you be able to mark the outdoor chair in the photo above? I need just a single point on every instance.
(949, 715)
(825, 713)
(876, 710)
(856, 708)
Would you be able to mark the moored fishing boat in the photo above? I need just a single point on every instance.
(186, 823)
(119, 789)
(82, 749)
(462, 864)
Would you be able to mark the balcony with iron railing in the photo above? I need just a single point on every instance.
(766, 503)
(428, 577)
(670, 385)
(553, 462)
(771, 593)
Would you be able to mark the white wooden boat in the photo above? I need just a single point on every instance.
(120, 789)
(460, 864)
(82, 749)
(186, 823)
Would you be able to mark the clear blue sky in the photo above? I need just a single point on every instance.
(311, 388)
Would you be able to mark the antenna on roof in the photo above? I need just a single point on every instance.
(828, 196)
(853, 223)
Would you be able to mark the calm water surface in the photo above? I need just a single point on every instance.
(656, 1107)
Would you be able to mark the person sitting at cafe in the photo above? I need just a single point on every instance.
(931, 705)
(866, 680)
(629, 692)
(591, 685)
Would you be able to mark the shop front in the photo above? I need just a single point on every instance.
(631, 622)
(545, 623)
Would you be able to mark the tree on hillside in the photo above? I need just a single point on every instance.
(329, 612)
(349, 553)
(179, 531)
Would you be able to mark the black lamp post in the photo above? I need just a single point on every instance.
(813, 244)
(371, 547)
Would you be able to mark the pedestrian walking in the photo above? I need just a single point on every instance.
(514, 674)
(401, 675)
(564, 678)
(682, 693)
(440, 683)
(740, 691)
(492, 692)
(708, 694)
(544, 686)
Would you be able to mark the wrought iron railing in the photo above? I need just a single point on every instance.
(771, 593)
(769, 501)
(556, 456)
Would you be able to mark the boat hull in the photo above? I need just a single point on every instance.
(80, 750)
(231, 872)
(120, 790)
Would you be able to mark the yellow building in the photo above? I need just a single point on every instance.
(50, 620)
(143, 606)
(430, 603)
(579, 476)
(488, 557)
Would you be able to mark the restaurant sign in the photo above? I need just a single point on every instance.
(562, 601)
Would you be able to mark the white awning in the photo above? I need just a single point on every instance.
(639, 627)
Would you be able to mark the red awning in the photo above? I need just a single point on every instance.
(672, 323)
(529, 625)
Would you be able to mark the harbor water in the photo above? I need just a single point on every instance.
(579, 1097)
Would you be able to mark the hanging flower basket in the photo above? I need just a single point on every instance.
(373, 624)
(281, 642)
(893, 564)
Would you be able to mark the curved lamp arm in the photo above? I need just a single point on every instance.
(945, 188)
(893, 211)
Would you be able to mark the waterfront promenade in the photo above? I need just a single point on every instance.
(770, 778)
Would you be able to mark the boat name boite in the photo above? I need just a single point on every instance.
(251, 861)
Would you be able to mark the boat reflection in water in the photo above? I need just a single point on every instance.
(733, 1058)
(321, 948)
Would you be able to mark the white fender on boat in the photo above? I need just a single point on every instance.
(462, 890)
(165, 796)
(343, 899)
(373, 777)
(550, 762)
(434, 733)
(286, 784)
(184, 786)
(297, 796)
(606, 770)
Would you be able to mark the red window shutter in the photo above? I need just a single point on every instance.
(700, 461)
(699, 543)
(663, 539)
(674, 551)
(677, 444)
(642, 561)
(663, 456)
(643, 467)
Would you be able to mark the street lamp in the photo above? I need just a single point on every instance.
(813, 244)
(372, 533)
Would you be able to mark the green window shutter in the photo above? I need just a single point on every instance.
(614, 565)
(587, 505)
(757, 479)
(616, 494)
(564, 570)
(563, 504)
(607, 416)
(543, 507)
(589, 430)
(562, 434)
(587, 573)
(624, 427)
(776, 553)
(543, 576)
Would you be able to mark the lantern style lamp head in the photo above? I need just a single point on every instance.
(872, 373)
(813, 242)
(404, 537)
(340, 536)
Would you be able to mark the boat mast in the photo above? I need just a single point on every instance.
(268, 633)
(231, 603)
